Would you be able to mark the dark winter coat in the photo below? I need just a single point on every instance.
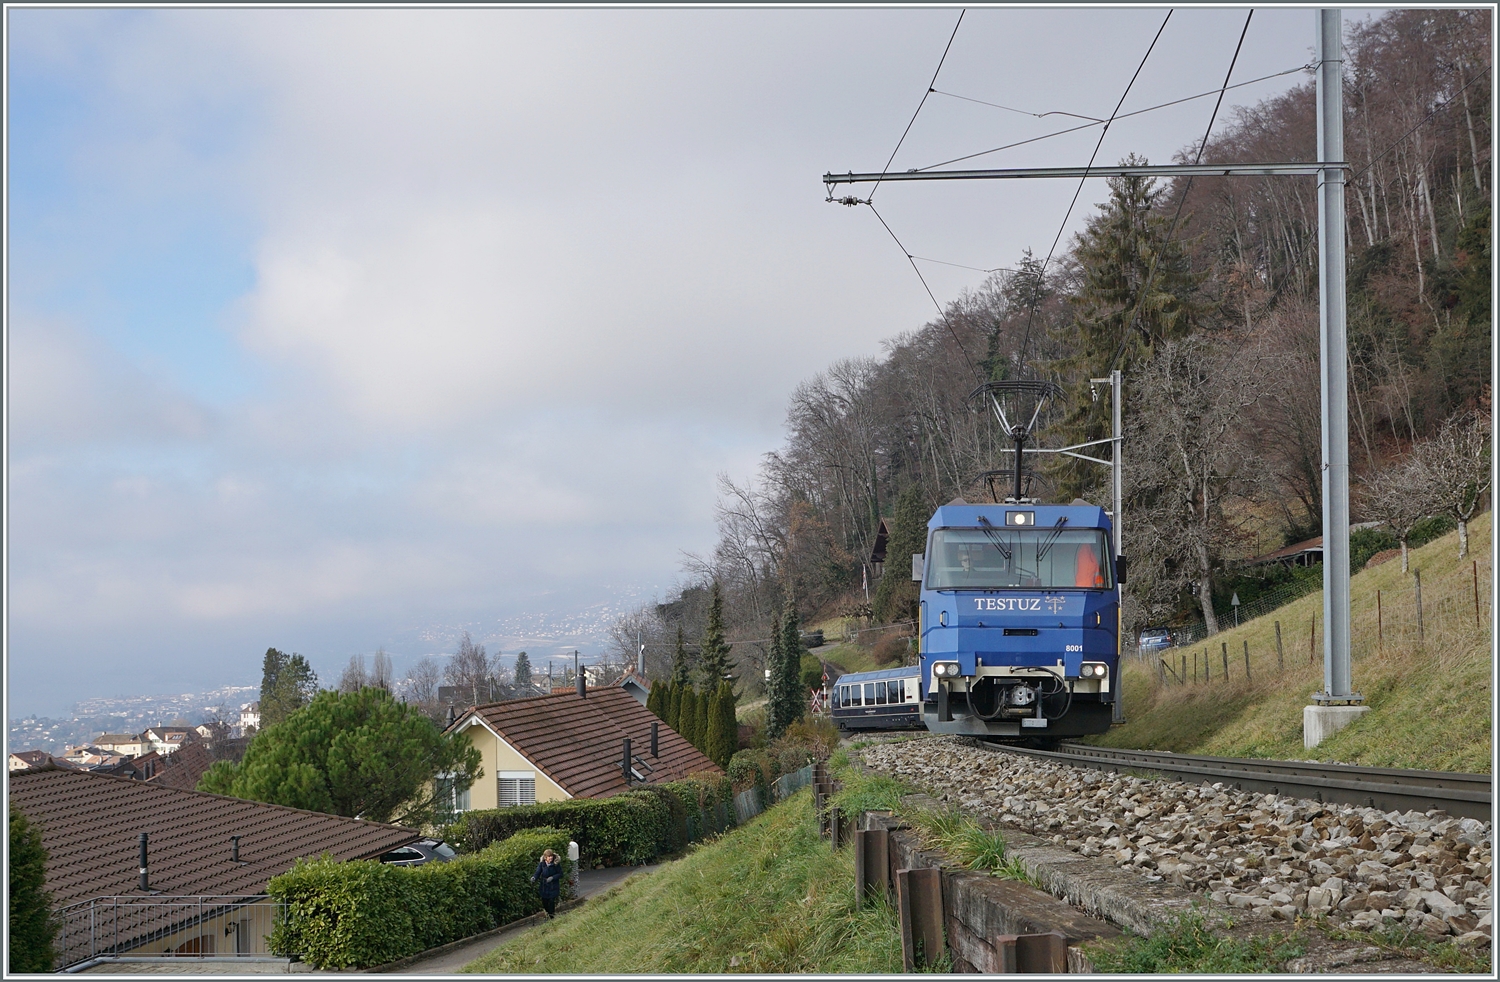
(548, 879)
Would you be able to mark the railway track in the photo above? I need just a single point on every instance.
(1385, 788)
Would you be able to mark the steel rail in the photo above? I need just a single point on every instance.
(1385, 788)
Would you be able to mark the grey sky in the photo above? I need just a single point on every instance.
(333, 328)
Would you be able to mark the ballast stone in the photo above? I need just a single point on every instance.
(1287, 857)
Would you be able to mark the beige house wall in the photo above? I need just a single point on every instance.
(501, 756)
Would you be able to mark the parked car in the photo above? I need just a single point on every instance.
(1155, 639)
(418, 853)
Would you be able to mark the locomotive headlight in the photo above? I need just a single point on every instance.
(945, 669)
(1095, 670)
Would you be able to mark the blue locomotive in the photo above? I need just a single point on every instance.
(1020, 618)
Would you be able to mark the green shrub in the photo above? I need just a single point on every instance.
(630, 828)
(32, 926)
(623, 830)
(364, 913)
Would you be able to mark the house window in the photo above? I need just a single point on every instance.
(447, 802)
(516, 788)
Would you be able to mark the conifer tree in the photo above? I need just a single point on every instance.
(687, 715)
(671, 704)
(522, 671)
(896, 597)
(791, 653)
(713, 659)
(682, 669)
(723, 730)
(654, 699)
(777, 686)
(32, 926)
(700, 724)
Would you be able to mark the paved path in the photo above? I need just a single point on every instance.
(450, 959)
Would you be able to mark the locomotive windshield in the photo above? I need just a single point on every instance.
(1030, 558)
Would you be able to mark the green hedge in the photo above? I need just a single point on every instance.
(363, 913)
(627, 829)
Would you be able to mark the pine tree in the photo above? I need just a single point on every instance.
(687, 715)
(1137, 290)
(287, 683)
(32, 926)
(791, 653)
(896, 596)
(713, 660)
(523, 669)
(682, 669)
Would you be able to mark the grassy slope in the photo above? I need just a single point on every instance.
(768, 897)
(1431, 701)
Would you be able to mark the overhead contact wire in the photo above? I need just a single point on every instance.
(925, 94)
(1181, 201)
(941, 312)
(1042, 273)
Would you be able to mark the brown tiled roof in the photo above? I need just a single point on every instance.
(90, 824)
(182, 768)
(578, 742)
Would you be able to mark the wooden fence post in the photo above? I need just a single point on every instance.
(1280, 663)
(1379, 621)
(1417, 575)
(1476, 593)
(1312, 638)
(1247, 658)
(1224, 650)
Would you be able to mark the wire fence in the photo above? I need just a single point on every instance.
(748, 803)
(1447, 613)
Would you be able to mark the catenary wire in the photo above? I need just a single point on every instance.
(925, 94)
(1042, 273)
(941, 312)
(1084, 126)
(1182, 200)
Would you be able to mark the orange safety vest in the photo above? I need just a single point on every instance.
(1088, 568)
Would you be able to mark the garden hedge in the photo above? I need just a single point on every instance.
(363, 913)
(627, 829)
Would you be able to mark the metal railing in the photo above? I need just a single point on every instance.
(168, 927)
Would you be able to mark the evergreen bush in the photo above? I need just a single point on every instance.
(364, 913)
(32, 926)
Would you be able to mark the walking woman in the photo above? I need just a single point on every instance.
(548, 880)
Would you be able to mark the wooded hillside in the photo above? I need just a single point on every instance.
(1204, 293)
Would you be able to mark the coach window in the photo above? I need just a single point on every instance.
(880, 699)
(869, 693)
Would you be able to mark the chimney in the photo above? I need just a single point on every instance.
(234, 848)
(452, 716)
(578, 677)
(653, 741)
(145, 883)
(624, 764)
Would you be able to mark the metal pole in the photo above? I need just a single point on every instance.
(1334, 351)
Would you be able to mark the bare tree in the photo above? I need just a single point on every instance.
(1454, 470)
(422, 682)
(382, 675)
(1187, 461)
(469, 670)
(355, 677)
(1396, 498)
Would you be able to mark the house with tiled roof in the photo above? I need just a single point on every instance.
(22, 760)
(208, 860)
(124, 744)
(169, 739)
(567, 745)
(182, 769)
(636, 684)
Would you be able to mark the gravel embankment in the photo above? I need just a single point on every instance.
(1275, 856)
